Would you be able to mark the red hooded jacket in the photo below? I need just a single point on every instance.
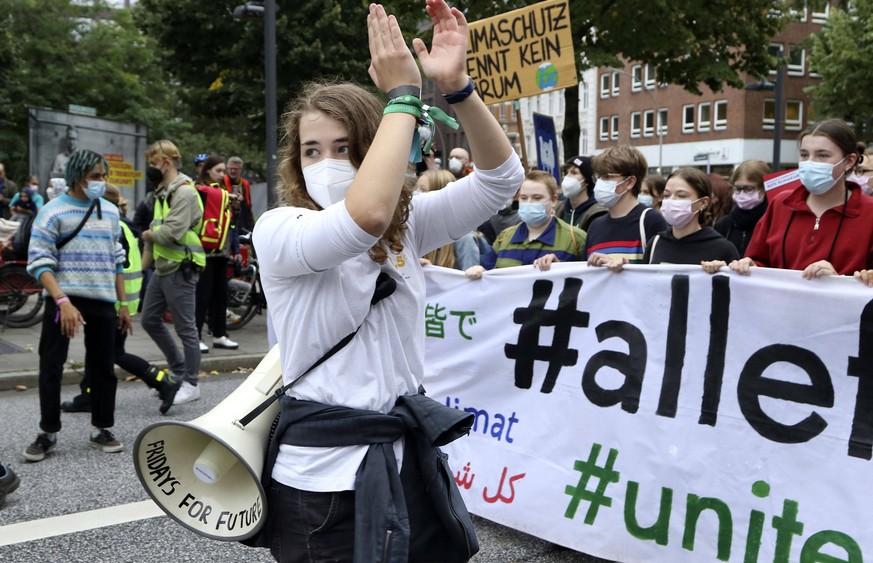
(789, 236)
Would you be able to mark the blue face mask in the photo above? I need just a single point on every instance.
(818, 177)
(646, 199)
(95, 190)
(533, 214)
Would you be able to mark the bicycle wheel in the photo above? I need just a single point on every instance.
(241, 307)
(20, 296)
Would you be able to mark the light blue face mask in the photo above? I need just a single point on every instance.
(818, 177)
(533, 214)
(95, 190)
(646, 199)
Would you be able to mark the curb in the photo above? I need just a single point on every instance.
(221, 364)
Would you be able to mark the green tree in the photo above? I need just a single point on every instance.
(841, 55)
(59, 52)
(217, 63)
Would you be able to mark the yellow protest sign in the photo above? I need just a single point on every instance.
(522, 53)
(121, 173)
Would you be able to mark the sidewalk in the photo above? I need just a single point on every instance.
(22, 367)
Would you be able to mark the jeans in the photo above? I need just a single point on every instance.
(177, 293)
(311, 527)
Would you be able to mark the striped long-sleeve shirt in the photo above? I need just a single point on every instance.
(88, 264)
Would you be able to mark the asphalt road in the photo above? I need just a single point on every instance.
(76, 479)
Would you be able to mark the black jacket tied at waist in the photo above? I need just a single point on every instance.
(382, 523)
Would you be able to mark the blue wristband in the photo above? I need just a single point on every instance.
(460, 95)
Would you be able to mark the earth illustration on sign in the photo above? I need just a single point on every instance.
(547, 76)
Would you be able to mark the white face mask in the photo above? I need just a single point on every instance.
(604, 192)
(328, 180)
(455, 165)
(571, 187)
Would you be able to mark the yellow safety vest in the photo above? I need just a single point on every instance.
(132, 273)
(188, 246)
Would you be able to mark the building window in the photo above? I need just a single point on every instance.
(583, 141)
(583, 97)
(649, 123)
(662, 122)
(501, 114)
(704, 116)
(613, 132)
(615, 85)
(604, 128)
(793, 115)
(635, 125)
(720, 115)
(798, 14)
(688, 118)
(796, 60)
(650, 77)
(604, 85)
(636, 78)
(769, 113)
(774, 50)
(821, 16)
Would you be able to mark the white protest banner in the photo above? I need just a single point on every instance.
(661, 413)
(522, 53)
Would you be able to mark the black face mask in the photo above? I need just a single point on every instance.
(154, 175)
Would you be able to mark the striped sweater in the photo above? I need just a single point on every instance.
(88, 264)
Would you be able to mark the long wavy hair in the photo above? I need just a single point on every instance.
(360, 112)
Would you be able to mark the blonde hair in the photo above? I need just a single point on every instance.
(445, 255)
(164, 149)
(360, 113)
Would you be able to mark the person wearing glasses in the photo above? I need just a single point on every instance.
(823, 226)
(747, 183)
(624, 230)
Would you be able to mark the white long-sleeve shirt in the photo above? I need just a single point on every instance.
(318, 279)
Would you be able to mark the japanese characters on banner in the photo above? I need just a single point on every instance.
(522, 53)
(661, 413)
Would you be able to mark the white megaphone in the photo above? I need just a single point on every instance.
(206, 474)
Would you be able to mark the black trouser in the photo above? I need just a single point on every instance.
(133, 365)
(99, 331)
(212, 296)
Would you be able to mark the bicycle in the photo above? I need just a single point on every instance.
(21, 297)
(245, 296)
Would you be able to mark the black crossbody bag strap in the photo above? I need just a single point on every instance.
(385, 286)
(71, 236)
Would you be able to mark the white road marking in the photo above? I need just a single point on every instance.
(79, 522)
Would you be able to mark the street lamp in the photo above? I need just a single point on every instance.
(267, 11)
(657, 116)
(778, 88)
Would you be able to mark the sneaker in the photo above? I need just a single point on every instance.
(80, 403)
(168, 388)
(106, 441)
(225, 342)
(204, 349)
(186, 393)
(9, 481)
(40, 447)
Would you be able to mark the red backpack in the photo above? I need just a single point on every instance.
(216, 217)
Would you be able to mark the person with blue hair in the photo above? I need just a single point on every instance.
(76, 254)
